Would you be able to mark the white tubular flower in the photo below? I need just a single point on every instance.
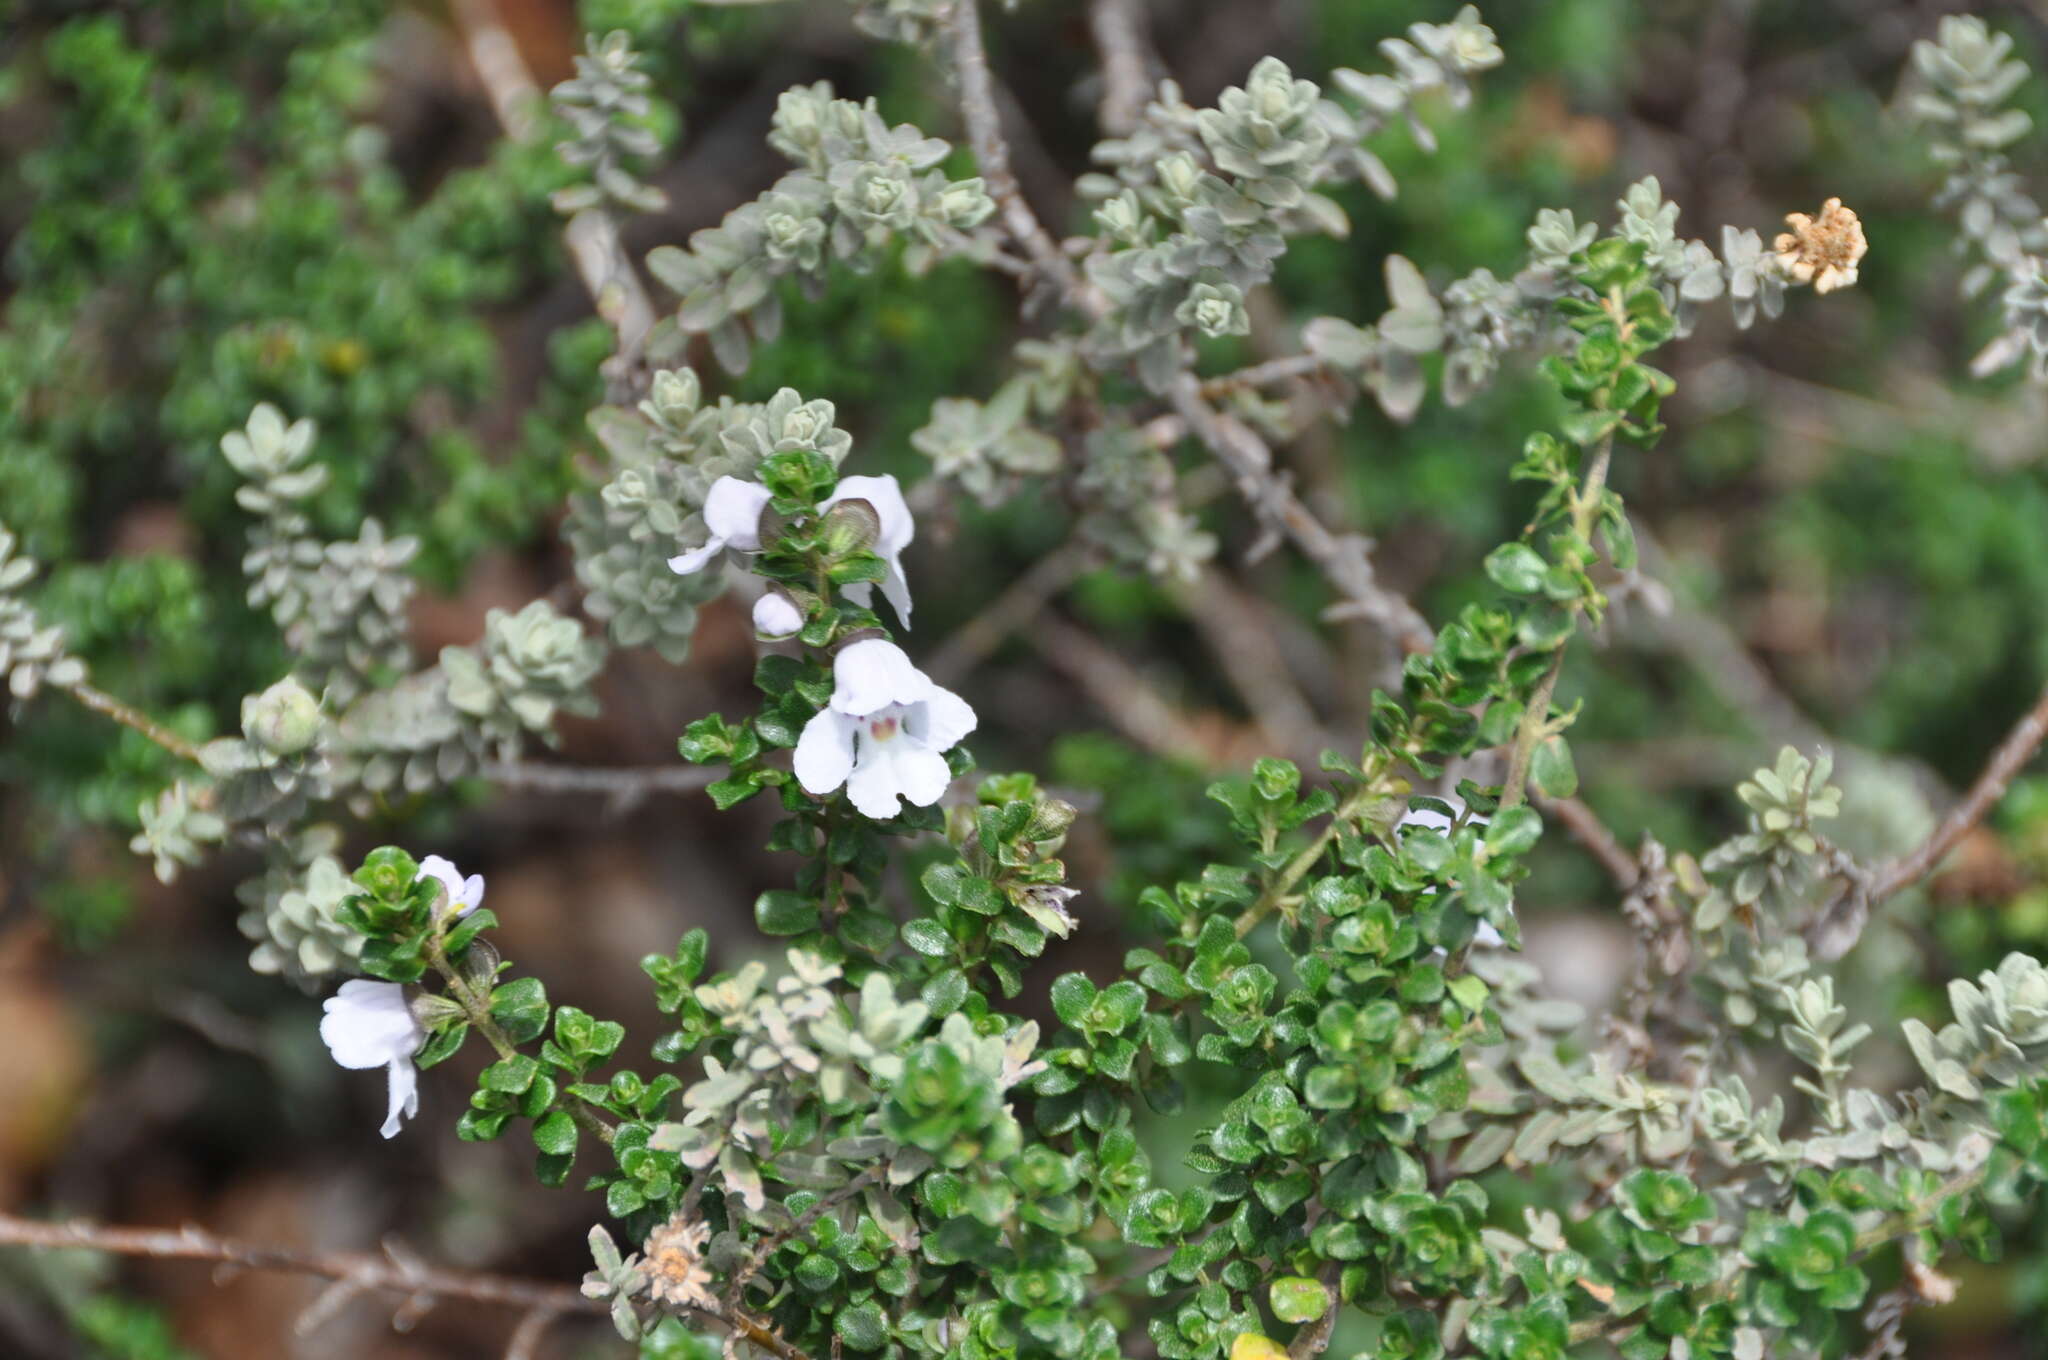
(896, 532)
(732, 515)
(776, 615)
(1484, 935)
(465, 895)
(883, 733)
(368, 1024)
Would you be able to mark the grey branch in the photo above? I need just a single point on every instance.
(2008, 760)
(1119, 30)
(592, 236)
(356, 1272)
(1343, 558)
(625, 785)
(1838, 928)
(980, 112)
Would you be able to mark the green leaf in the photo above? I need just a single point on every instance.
(1552, 770)
(510, 1075)
(862, 1327)
(782, 912)
(555, 1134)
(1072, 997)
(1515, 831)
(1516, 568)
(521, 1009)
(927, 937)
(1296, 1298)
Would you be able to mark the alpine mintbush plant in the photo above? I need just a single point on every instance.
(1323, 1104)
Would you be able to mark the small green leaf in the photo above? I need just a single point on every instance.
(782, 912)
(555, 1134)
(927, 937)
(1296, 1298)
(1072, 997)
(1516, 568)
(521, 1009)
(1552, 770)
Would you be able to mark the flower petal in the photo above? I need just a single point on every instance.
(732, 511)
(368, 1024)
(947, 718)
(824, 753)
(686, 564)
(874, 785)
(872, 674)
(921, 773)
(403, 1087)
(896, 590)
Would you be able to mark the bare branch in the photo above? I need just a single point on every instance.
(2012, 754)
(978, 109)
(357, 1271)
(1119, 690)
(1835, 931)
(1119, 30)
(1239, 634)
(1342, 558)
(1266, 373)
(592, 236)
(525, 1342)
(134, 719)
(624, 785)
(417, 1285)
(1014, 609)
(1585, 827)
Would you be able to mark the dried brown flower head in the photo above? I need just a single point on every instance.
(675, 1269)
(1822, 250)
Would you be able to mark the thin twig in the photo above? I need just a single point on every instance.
(1119, 30)
(99, 701)
(1835, 931)
(1313, 1339)
(1286, 368)
(1705, 640)
(1239, 634)
(1585, 827)
(625, 783)
(366, 1273)
(2012, 754)
(1013, 610)
(1343, 558)
(592, 236)
(526, 1338)
(1275, 896)
(1117, 687)
(979, 111)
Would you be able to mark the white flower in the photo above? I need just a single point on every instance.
(368, 1024)
(732, 516)
(1484, 936)
(897, 529)
(465, 895)
(776, 615)
(883, 732)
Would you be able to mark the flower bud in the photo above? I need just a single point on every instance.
(849, 527)
(777, 616)
(283, 720)
(1050, 819)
